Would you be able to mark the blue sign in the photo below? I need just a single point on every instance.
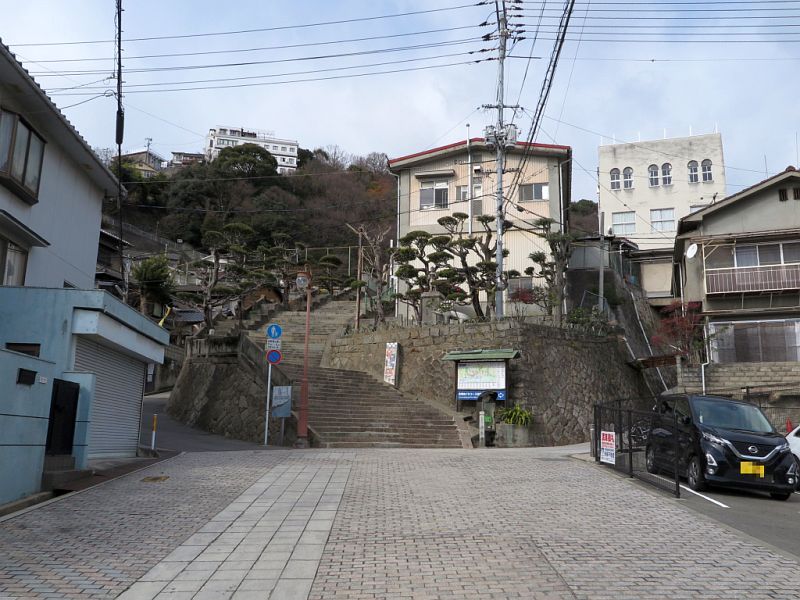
(274, 357)
(473, 394)
(274, 331)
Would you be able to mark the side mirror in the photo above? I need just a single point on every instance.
(686, 420)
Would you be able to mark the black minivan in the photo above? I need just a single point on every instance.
(720, 442)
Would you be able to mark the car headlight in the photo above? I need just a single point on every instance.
(714, 439)
(783, 447)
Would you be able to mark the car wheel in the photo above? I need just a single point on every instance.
(781, 495)
(650, 460)
(695, 476)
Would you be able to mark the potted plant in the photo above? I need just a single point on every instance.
(514, 427)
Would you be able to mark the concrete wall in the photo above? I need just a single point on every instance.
(559, 376)
(681, 195)
(24, 415)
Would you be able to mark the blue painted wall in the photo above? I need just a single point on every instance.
(24, 412)
(44, 316)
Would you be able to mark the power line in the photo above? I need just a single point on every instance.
(273, 61)
(268, 83)
(258, 30)
(285, 74)
(263, 48)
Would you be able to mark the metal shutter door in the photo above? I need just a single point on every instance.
(116, 410)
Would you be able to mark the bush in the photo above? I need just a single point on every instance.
(515, 416)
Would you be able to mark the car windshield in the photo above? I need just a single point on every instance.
(731, 415)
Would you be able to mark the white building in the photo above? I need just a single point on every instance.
(647, 187)
(284, 151)
(72, 358)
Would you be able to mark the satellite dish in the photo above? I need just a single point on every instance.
(691, 251)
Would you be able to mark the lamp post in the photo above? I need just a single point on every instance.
(303, 282)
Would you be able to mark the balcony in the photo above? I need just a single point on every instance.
(776, 278)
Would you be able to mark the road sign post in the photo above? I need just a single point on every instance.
(274, 357)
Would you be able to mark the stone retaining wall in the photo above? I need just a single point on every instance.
(226, 396)
(730, 378)
(559, 376)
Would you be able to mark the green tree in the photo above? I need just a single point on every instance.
(421, 257)
(154, 279)
(551, 268)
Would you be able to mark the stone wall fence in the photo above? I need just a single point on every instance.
(559, 376)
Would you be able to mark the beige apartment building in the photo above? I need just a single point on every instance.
(647, 187)
(462, 177)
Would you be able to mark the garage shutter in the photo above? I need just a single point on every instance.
(116, 410)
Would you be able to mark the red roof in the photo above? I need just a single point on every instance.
(473, 140)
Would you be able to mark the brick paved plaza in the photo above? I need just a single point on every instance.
(419, 524)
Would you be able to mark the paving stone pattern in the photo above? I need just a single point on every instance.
(375, 523)
(266, 544)
(96, 543)
(519, 524)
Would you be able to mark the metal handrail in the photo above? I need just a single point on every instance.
(753, 279)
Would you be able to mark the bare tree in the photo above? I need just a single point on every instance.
(378, 258)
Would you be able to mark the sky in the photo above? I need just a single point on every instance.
(628, 71)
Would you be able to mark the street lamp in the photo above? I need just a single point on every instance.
(303, 282)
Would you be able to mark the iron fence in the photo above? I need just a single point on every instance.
(621, 440)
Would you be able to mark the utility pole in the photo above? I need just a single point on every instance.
(471, 182)
(148, 141)
(359, 268)
(601, 305)
(500, 136)
(120, 133)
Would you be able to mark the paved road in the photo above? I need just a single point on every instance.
(366, 524)
(172, 435)
(773, 521)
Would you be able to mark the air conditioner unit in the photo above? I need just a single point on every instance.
(476, 168)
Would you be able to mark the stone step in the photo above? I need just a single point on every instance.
(386, 445)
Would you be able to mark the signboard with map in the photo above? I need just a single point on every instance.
(476, 377)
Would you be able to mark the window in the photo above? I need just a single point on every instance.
(462, 193)
(433, 194)
(292, 149)
(719, 257)
(695, 207)
(652, 172)
(477, 197)
(21, 154)
(746, 256)
(769, 254)
(520, 289)
(22, 348)
(13, 261)
(796, 193)
(283, 148)
(274, 147)
(791, 252)
(627, 178)
(693, 177)
(623, 223)
(532, 192)
(706, 166)
(662, 219)
(614, 179)
(666, 174)
(783, 195)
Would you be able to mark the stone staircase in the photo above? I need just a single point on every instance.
(350, 409)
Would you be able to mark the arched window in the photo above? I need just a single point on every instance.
(614, 179)
(666, 174)
(707, 174)
(627, 178)
(693, 171)
(652, 172)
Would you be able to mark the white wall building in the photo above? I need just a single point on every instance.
(647, 187)
(284, 151)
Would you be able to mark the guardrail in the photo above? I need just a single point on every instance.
(621, 440)
(753, 279)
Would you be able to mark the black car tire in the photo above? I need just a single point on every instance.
(650, 460)
(694, 475)
(781, 495)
